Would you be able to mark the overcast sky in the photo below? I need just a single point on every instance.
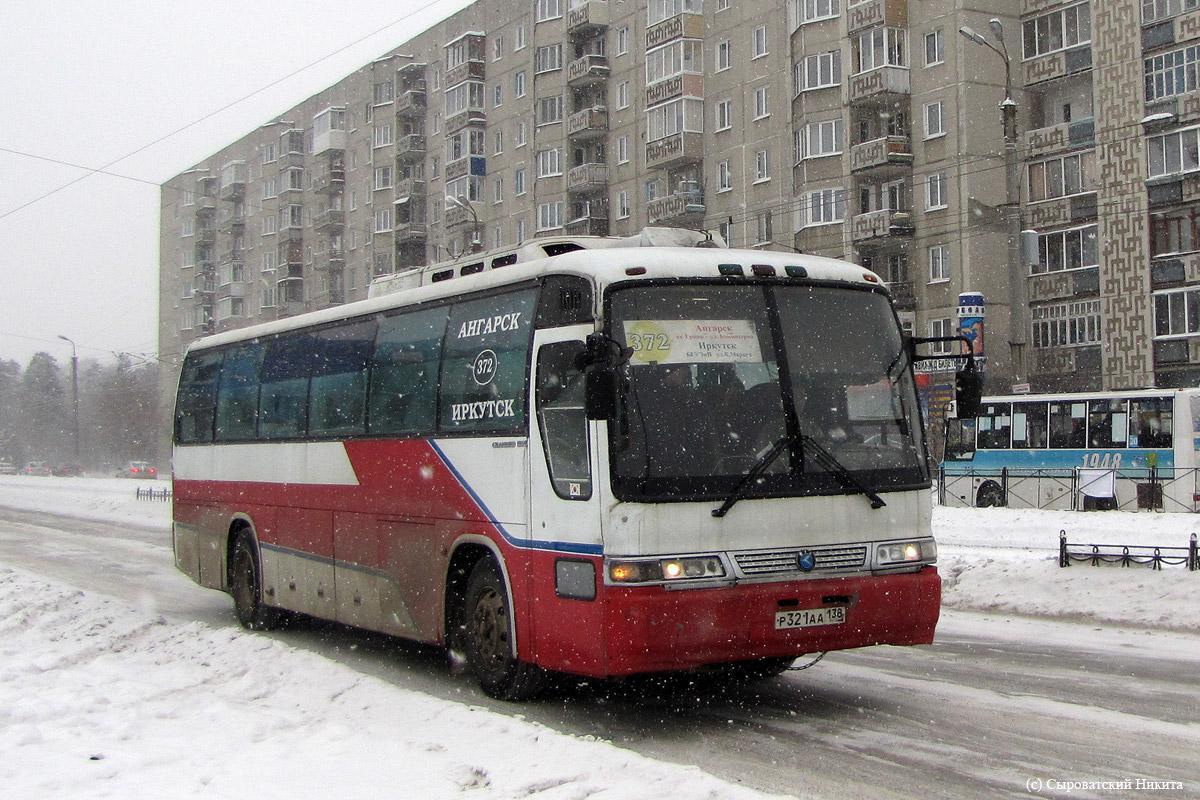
(90, 82)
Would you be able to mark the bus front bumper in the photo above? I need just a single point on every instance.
(651, 629)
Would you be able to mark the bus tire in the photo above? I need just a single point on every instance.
(990, 495)
(245, 584)
(488, 637)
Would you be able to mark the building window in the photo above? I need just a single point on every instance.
(1057, 30)
(724, 115)
(824, 207)
(879, 47)
(724, 55)
(519, 134)
(497, 47)
(722, 5)
(724, 177)
(897, 268)
(547, 58)
(622, 95)
(675, 116)
(821, 138)
(935, 48)
(1176, 313)
(519, 181)
(1075, 248)
(1068, 175)
(762, 166)
(383, 135)
(935, 192)
(1176, 231)
(934, 125)
(383, 93)
(658, 10)
(759, 41)
(623, 150)
(549, 216)
(762, 106)
(269, 153)
(939, 263)
(823, 70)
(548, 163)
(683, 55)
(763, 228)
(383, 178)
(383, 219)
(1067, 324)
(497, 190)
(497, 95)
(623, 40)
(1171, 73)
(1155, 10)
(651, 188)
(519, 84)
(941, 328)
(497, 143)
(463, 97)
(548, 9)
(816, 10)
(549, 110)
(518, 39)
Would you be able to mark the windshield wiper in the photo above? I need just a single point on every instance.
(759, 467)
(835, 467)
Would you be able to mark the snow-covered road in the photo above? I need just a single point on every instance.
(999, 703)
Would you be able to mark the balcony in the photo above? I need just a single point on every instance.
(586, 71)
(674, 150)
(587, 177)
(466, 71)
(233, 181)
(232, 289)
(411, 104)
(455, 216)
(232, 222)
(204, 283)
(586, 19)
(678, 26)
(883, 84)
(590, 123)
(879, 225)
(591, 225)
(904, 295)
(206, 235)
(888, 151)
(410, 232)
(329, 219)
(409, 187)
(205, 206)
(330, 181)
(1065, 135)
(1058, 64)
(683, 209)
(467, 165)
(893, 13)
(410, 148)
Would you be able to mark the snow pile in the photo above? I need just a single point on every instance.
(93, 499)
(99, 699)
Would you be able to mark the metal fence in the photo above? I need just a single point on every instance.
(1175, 490)
(1128, 555)
(150, 493)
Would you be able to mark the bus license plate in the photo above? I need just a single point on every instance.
(809, 617)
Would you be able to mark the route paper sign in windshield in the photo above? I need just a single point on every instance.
(692, 341)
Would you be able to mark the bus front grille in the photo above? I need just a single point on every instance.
(828, 559)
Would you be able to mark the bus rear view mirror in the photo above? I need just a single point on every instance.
(600, 393)
(968, 392)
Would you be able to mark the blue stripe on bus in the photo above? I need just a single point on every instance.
(527, 544)
(1130, 459)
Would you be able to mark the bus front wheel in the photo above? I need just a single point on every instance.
(245, 584)
(990, 495)
(488, 638)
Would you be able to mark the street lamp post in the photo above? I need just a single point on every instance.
(465, 204)
(74, 391)
(1012, 209)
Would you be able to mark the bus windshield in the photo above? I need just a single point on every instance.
(720, 373)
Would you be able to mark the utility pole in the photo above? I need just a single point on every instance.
(74, 391)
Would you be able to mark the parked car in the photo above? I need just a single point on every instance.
(68, 471)
(36, 468)
(6, 467)
(138, 469)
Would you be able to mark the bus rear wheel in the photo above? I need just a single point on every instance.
(488, 638)
(990, 495)
(245, 584)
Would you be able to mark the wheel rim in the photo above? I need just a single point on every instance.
(489, 627)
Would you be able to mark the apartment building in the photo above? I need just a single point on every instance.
(866, 130)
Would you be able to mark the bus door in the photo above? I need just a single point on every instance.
(564, 519)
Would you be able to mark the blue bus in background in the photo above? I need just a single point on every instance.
(1127, 449)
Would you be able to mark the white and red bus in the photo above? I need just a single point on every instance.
(607, 462)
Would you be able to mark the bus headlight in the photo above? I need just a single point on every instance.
(910, 552)
(666, 569)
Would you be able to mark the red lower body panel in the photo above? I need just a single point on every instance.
(650, 629)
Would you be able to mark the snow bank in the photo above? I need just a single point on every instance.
(100, 699)
(93, 499)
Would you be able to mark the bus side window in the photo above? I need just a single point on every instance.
(994, 423)
(1029, 426)
(237, 397)
(1068, 426)
(404, 372)
(960, 439)
(283, 400)
(561, 419)
(194, 411)
(1107, 423)
(337, 394)
(1150, 422)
